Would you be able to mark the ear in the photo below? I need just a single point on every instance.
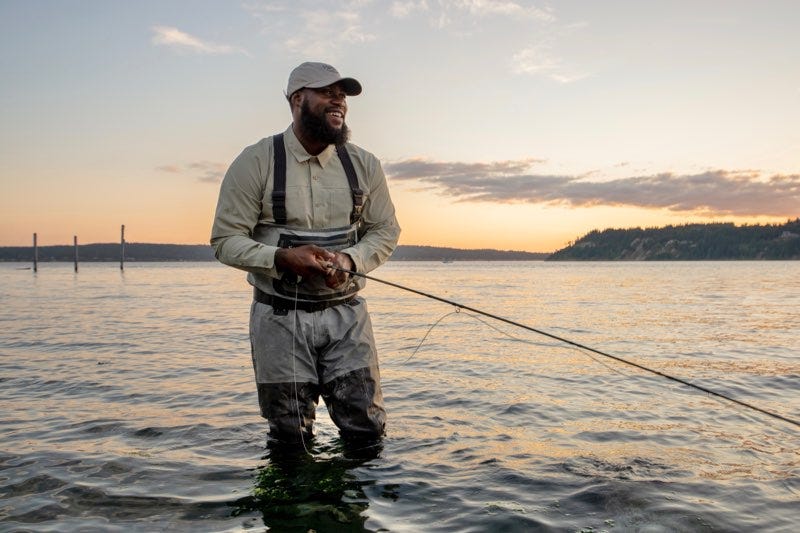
(297, 98)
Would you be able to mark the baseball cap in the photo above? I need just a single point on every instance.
(316, 75)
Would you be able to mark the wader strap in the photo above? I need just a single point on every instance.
(279, 180)
(352, 179)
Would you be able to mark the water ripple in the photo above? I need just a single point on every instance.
(128, 404)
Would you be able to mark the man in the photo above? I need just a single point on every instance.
(297, 211)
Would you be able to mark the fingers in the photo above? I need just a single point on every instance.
(336, 278)
(310, 260)
(343, 262)
(305, 261)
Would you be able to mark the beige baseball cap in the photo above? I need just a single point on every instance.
(316, 75)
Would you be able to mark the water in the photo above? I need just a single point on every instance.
(127, 403)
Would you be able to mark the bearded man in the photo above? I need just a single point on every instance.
(297, 211)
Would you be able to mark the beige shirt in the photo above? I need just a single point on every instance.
(317, 197)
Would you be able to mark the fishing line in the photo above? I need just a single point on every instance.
(294, 374)
(510, 336)
(575, 344)
(526, 341)
(457, 311)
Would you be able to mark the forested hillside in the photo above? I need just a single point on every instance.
(687, 242)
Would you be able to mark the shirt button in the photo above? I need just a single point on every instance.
(315, 178)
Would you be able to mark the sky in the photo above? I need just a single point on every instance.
(501, 124)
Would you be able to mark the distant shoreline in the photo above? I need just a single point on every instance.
(159, 253)
(687, 242)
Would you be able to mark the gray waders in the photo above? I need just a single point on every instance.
(308, 340)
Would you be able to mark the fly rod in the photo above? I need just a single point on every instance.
(573, 343)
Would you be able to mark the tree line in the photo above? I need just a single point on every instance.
(717, 241)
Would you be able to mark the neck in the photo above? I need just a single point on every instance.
(312, 146)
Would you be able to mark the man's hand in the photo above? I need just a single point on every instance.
(336, 278)
(305, 261)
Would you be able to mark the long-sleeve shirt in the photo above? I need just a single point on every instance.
(317, 197)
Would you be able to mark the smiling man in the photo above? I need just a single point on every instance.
(296, 211)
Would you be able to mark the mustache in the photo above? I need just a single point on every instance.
(315, 125)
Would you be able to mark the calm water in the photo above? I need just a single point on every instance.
(127, 403)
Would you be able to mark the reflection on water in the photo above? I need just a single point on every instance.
(128, 403)
(298, 489)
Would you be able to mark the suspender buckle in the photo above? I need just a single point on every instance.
(358, 205)
(279, 206)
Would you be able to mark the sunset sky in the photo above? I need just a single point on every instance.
(500, 123)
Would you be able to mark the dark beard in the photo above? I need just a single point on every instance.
(317, 128)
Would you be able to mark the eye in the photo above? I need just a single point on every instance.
(329, 92)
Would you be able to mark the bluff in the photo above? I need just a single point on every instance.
(719, 241)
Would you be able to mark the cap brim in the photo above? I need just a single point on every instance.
(351, 86)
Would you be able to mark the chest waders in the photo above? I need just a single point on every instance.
(309, 294)
(329, 350)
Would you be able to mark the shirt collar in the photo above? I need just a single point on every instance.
(300, 153)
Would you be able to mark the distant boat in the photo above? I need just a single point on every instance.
(447, 260)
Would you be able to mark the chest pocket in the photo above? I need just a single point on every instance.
(279, 184)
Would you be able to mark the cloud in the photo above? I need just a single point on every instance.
(455, 14)
(412, 169)
(482, 8)
(203, 171)
(175, 38)
(208, 171)
(313, 29)
(450, 11)
(325, 32)
(538, 60)
(534, 60)
(402, 9)
(324, 27)
(712, 193)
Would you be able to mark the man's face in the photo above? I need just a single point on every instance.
(322, 114)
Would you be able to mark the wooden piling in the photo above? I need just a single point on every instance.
(75, 245)
(122, 248)
(35, 253)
